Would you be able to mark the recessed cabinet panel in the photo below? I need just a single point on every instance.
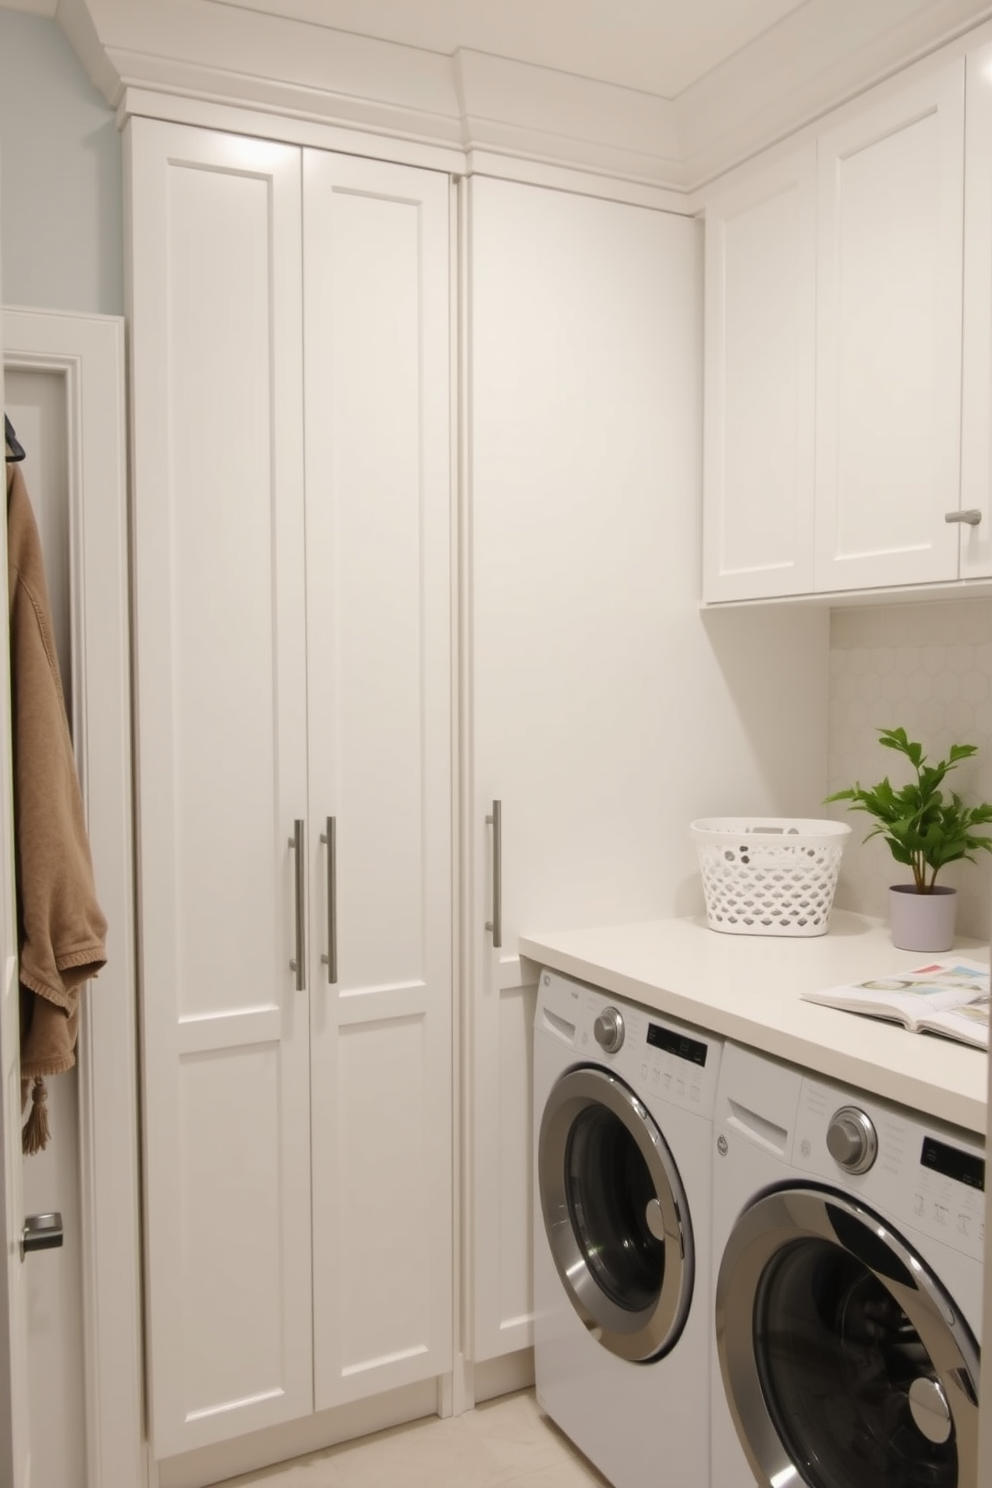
(385, 1194)
(232, 1290)
(759, 387)
(889, 339)
(221, 733)
(224, 660)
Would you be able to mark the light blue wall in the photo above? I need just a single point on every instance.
(61, 228)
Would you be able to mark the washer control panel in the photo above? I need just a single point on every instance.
(928, 1177)
(657, 1056)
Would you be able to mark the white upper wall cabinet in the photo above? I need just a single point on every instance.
(759, 405)
(292, 521)
(889, 267)
(848, 377)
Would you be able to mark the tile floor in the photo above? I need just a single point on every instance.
(506, 1442)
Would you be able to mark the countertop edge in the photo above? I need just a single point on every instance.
(806, 1050)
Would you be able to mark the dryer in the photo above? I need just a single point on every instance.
(847, 1239)
(623, 1141)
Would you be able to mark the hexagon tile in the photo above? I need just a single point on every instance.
(926, 668)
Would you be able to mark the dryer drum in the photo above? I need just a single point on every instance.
(843, 1358)
(615, 1214)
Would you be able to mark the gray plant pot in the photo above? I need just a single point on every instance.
(922, 922)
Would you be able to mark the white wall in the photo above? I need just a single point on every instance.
(61, 214)
(927, 668)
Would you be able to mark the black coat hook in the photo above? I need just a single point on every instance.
(15, 450)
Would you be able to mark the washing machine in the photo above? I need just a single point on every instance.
(847, 1239)
(623, 1137)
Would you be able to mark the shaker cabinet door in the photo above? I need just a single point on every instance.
(583, 388)
(759, 388)
(219, 620)
(379, 587)
(889, 285)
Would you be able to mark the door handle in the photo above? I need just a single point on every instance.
(41, 1232)
(496, 923)
(330, 838)
(971, 516)
(298, 963)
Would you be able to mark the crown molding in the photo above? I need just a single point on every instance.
(526, 117)
(822, 56)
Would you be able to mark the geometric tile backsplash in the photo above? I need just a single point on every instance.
(926, 668)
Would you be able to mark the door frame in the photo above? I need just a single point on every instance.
(87, 353)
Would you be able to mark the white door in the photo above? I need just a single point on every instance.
(584, 418)
(15, 1455)
(379, 522)
(759, 394)
(888, 427)
(219, 613)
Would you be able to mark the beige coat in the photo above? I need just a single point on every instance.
(62, 929)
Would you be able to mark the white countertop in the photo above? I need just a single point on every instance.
(747, 987)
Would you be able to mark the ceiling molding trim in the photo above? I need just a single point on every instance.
(821, 61)
(473, 102)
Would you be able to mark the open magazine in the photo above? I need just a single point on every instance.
(946, 997)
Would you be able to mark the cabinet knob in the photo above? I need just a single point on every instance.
(971, 516)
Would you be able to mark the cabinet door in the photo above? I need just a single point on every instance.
(583, 377)
(889, 339)
(759, 397)
(379, 521)
(221, 756)
(976, 363)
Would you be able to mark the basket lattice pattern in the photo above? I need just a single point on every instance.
(769, 877)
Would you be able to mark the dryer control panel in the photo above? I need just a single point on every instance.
(926, 1176)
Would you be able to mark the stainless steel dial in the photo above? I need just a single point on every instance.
(852, 1140)
(608, 1030)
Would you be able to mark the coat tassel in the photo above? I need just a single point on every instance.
(35, 1134)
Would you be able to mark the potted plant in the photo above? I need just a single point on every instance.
(925, 828)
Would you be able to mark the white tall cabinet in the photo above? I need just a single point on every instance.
(292, 593)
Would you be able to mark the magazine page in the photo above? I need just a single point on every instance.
(969, 1024)
(915, 997)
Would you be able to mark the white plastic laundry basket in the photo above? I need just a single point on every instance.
(769, 875)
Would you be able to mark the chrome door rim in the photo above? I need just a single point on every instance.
(637, 1335)
(776, 1222)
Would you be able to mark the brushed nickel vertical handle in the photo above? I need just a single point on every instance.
(330, 837)
(496, 923)
(298, 963)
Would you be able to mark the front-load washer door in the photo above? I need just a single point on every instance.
(615, 1214)
(845, 1361)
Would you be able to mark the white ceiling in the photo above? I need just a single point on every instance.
(656, 46)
